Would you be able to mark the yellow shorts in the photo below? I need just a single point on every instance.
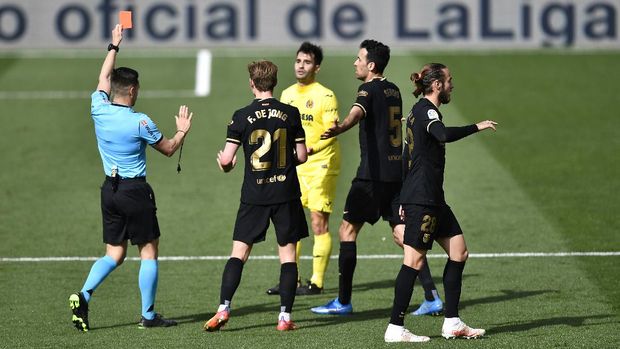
(318, 192)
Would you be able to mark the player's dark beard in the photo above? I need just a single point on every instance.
(444, 96)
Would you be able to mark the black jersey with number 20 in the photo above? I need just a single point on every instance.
(380, 133)
(269, 131)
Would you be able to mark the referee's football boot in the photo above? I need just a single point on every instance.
(333, 307)
(460, 330)
(79, 307)
(309, 289)
(434, 307)
(157, 321)
(217, 321)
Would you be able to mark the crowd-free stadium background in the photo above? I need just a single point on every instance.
(538, 199)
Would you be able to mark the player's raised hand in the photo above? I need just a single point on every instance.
(117, 35)
(332, 131)
(483, 125)
(184, 119)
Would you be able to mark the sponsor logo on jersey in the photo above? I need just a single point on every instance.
(146, 126)
(272, 179)
(390, 92)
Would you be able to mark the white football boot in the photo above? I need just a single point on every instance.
(455, 328)
(395, 334)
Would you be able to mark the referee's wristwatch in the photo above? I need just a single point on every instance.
(111, 47)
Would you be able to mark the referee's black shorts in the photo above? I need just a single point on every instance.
(367, 201)
(425, 224)
(288, 220)
(129, 213)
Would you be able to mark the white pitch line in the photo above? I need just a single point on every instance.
(371, 256)
(6, 95)
(203, 73)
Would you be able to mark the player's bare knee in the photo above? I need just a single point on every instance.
(347, 232)
(398, 238)
(460, 256)
(319, 228)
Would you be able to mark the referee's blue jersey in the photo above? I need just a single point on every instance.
(122, 136)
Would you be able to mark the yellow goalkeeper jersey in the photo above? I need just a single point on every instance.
(319, 109)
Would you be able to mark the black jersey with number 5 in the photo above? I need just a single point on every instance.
(268, 130)
(425, 157)
(380, 133)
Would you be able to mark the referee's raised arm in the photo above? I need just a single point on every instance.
(108, 65)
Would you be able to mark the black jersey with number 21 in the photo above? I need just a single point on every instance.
(268, 130)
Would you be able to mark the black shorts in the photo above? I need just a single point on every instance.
(129, 213)
(425, 224)
(369, 200)
(288, 219)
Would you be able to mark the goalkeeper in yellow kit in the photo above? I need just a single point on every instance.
(317, 177)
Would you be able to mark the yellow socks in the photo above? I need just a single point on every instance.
(321, 252)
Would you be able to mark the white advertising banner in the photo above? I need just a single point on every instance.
(419, 24)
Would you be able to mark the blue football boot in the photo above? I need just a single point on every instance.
(434, 307)
(333, 307)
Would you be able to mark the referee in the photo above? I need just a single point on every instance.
(127, 200)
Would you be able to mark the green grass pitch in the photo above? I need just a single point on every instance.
(546, 181)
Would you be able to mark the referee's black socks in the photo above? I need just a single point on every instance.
(346, 266)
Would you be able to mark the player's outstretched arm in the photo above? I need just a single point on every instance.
(110, 59)
(452, 134)
(184, 122)
(355, 115)
(227, 158)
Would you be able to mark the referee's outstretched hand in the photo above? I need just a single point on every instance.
(184, 119)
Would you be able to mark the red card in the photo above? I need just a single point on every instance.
(125, 19)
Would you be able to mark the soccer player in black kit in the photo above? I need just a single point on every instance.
(427, 216)
(273, 141)
(376, 186)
